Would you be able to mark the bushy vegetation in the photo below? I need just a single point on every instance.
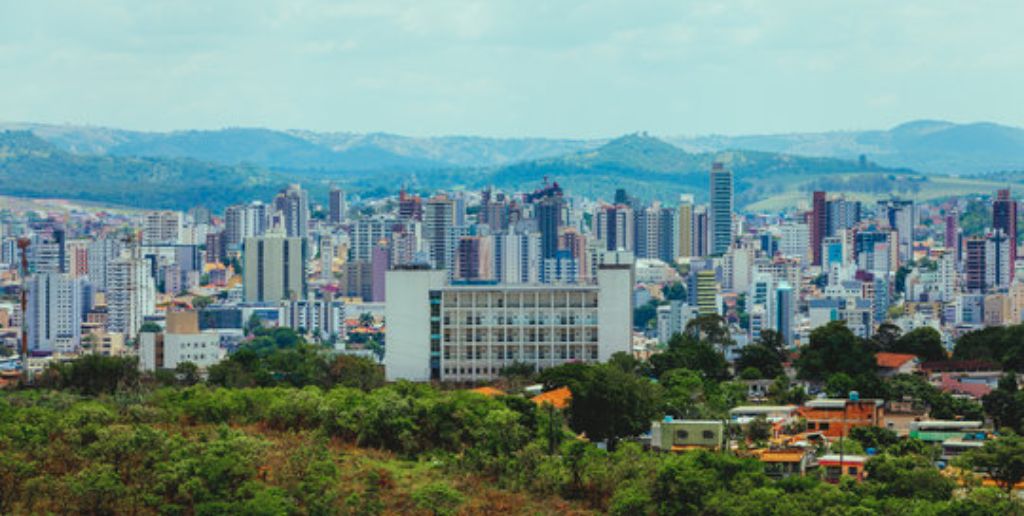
(287, 428)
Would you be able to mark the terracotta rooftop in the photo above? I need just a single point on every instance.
(893, 360)
(559, 397)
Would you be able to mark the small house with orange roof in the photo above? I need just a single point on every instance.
(558, 398)
(892, 364)
(488, 391)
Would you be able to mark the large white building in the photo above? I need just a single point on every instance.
(181, 342)
(162, 227)
(131, 294)
(310, 315)
(275, 268)
(54, 315)
(441, 331)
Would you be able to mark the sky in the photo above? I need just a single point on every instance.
(519, 68)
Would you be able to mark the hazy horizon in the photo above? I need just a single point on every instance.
(510, 69)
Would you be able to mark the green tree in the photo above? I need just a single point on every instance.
(187, 373)
(910, 476)
(612, 404)
(1002, 459)
(925, 342)
(1006, 404)
(150, 327)
(833, 348)
(685, 351)
(438, 498)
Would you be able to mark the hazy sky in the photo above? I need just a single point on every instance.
(517, 68)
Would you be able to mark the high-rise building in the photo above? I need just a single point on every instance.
(704, 286)
(380, 262)
(274, 269)
(242, 221)
(54, 314)
(410, 207)
(901, 215)
(998, 260)
(162, 227)
(684, 226)
(548, 212)
(438, 220)
(337, 206)
(818, 225)
(1004, 218)
(952, 233)
(443, 331)
(131, 293)
(721, 208)
(974, 264)
(475, 259)
(293, 205)
(785, 309)
(615, 227)
(100, 253)
(216, 247)
(518, 257)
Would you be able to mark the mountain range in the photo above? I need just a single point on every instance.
(174, 169)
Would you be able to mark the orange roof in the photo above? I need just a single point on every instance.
(559, 397)
(893, 360)
(488, 391)
(782, 456)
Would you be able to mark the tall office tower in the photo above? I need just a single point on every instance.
(720, 211)
(998, 260)
(841, 214)
(430, 336)
(357, 280)
(380, 262)
(684, 227)
(474, 258)
(794, 240)
(275, 268)
(162, 227)
(952, 234)
(762, 288)
(701, 235)
(647, 223)
(131, 293)
(327, 252)
(337, 205)
(785, 304)
(615, 227)
(570, 239)
(216, 247)
(54, 312)
(77, 252)
(242, 221)
(518, 257)
(548, 212)
(1004, 217)
(438, 220)
(365, 233)
(974, 264)
(818, 224)
(293, 204)
(668, 235)
(101, 252)
(49, 254)
(410, 207)
(946, 276)
(494, 210)
(704, 291)
(901, 215)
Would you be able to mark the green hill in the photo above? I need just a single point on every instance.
(31, 167)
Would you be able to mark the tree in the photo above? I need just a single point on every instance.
(201, 302)
(150, 327)
(780, 392)
(1002, 459)
(758, 430)
(833, 348)
(911, 476)
(687, 352)
(353, 371)
(885, 337)
(925, 342)
(1006, 404)
(187, 373)
(874, 437)
(766, 355)
(675, 291)
(611, 404)
(438, 498)
(712, 329)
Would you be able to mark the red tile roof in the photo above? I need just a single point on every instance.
(558, 397)
(888, 360)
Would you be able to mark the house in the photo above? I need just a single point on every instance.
(775, 414)
(836, 466)
(788, 462)
(892, 364)
(679, 435)
(558, 398)
(835, 417)
(938, 431)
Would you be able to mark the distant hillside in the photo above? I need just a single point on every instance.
(927, 146)
(32, 167)
(651, 168)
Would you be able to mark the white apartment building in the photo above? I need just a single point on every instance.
(181, 342)
(162, 227)
(54, 313)
(441, 331)
(131, 294)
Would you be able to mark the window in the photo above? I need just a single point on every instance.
(822, 426)
(852, 470)
(682, 434)
(811, 425)
(708, 434)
